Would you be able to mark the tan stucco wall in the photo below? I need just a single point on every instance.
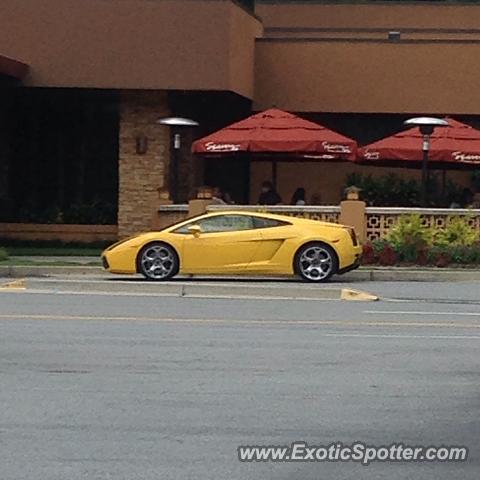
(325, 178)
(243, 32)
(323, 76)
(368, 15)
(142, 44)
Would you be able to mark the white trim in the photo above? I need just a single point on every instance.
(276, 208)
(421, 211)
(173, 208)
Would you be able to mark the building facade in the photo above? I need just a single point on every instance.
(83, 85)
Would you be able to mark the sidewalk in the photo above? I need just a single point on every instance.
(19, 267)
(53, 260)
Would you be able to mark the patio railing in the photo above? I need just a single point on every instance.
(380, 220)
(329, 213)
(377, 221)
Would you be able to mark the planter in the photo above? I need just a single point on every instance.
(63, 233)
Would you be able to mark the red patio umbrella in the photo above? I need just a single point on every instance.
(458, 144)
(276, 135)
(275, 131)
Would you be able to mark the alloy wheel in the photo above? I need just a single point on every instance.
(316, 263)
(158, 262)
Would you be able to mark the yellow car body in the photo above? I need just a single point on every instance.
(237, 243)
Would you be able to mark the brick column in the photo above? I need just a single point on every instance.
(140, 175)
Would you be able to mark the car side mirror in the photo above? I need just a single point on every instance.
(195, 230)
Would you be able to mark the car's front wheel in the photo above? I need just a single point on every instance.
(158, 261)
(316, 262)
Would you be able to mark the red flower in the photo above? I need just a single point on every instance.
(387, 256)
(368, 256)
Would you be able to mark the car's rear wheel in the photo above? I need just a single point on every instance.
(316, 262)
(158, 261)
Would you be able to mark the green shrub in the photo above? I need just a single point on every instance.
(386, 191)
(3, 254)
(393, 190)
(382, 252)
(465, 255)
(94, 212)
(457, 232)
(379, 244)
(409, 235)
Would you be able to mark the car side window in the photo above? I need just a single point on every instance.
(221, 223)
(261, 222)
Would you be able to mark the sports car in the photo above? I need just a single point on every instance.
(239, 243)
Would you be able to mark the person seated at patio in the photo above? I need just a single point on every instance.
(467, 198)
(269, 195)
(217, 197)
(298, 198)
(227, 198)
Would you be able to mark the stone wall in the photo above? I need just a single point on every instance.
(140, 175)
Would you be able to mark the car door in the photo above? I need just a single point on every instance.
(271, 256)
(226, 244)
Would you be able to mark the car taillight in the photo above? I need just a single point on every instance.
(353, 236)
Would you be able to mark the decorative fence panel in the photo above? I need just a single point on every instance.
(380, 220)
(329, 213)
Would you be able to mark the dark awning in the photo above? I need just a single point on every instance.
(13, 68)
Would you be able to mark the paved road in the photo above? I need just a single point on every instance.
(132, 387)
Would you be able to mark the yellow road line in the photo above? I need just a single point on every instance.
(14, 285)
(349, 323)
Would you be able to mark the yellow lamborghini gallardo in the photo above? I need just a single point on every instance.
(236, 243)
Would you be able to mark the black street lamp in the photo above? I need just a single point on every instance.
(176, 124)
(427, 126)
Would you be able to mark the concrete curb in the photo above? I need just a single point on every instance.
(412, 275)
(22, 271)
(197, 290)
(362, 275)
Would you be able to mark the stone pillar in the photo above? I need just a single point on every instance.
(352, 213)
(142, 167)
(198, 206)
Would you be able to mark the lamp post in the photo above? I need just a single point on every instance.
(176, 124)
(427, 126)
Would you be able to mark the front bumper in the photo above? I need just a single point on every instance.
(105, 264)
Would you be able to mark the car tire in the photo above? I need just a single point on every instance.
(316, 262)
(158, 262)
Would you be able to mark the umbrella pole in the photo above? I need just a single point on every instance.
(274, 174)
(426, 148)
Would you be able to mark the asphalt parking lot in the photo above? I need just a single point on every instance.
(126, 386)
